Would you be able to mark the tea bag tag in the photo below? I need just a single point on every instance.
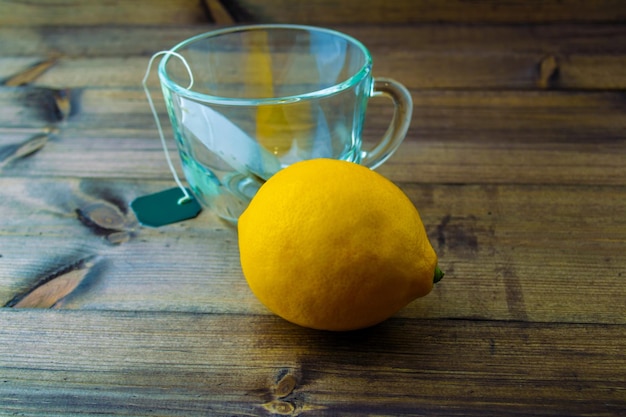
(165, 207)
(175, 204)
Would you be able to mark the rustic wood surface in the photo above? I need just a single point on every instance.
(516, 159)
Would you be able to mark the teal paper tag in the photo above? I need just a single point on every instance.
(165, 207)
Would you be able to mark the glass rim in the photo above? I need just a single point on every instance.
(354, 79)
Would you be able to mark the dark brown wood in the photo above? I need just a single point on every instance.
(111, 41)
(511, 252)
(115, 12)
(455, 136)
(320, 12)
(422, 57)
(421, 11)
(167, 363)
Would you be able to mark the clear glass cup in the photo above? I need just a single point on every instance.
(262, 97)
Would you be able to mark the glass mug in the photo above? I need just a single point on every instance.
(246, 101)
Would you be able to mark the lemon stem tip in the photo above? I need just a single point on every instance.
(439, 274)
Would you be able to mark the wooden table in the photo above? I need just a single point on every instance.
(516, 159)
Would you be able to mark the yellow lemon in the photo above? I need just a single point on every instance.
(333, 245)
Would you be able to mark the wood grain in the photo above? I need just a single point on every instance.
(17, 151)
(51, 290)
(529, 253)
(413, 68)
(15, 65)
(455, 136)
(421, 11)
(116, 12)
(192, 364)
(430, 56)
(112, 41)
(30, 74)
(320, 12)
(33, 107)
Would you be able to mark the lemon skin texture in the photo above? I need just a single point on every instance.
(333, 245)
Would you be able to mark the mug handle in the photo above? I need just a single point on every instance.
(403, 110)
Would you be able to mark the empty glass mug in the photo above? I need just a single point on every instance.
(254, 99)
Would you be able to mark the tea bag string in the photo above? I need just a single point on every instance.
(186, 198)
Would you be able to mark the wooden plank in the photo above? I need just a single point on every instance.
(320, 12)
(420, 11)
(414, 68)
(352, 11)
(552, 132)
(194, 364)
(94, 41)
(116, 12)
(455, 136)
(431, 56)
(528, 253)
(113, 41)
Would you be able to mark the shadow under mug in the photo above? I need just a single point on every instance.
(246, 101)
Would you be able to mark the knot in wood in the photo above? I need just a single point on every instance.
(103, 216)
(285, 386)
(280, 407)
(548, 72)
